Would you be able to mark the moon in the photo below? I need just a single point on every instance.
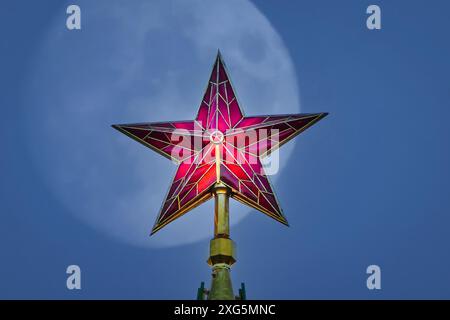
(142, 61)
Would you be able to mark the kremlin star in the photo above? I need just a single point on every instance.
(220, 146)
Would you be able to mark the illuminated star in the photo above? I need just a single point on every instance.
(220, 146)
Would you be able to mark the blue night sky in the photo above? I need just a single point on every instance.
(369, 184)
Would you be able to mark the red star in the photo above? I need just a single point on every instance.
(220, 145)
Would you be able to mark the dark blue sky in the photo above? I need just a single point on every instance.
(367, 185)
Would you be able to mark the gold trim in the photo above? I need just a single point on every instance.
(205, 196)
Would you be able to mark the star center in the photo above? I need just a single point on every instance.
(216, 137)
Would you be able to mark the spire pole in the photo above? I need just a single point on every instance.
(222, 248)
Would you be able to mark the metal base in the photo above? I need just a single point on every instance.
(221, 287)
(222, 253)
(218, 294)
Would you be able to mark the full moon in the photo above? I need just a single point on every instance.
(142, 61)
